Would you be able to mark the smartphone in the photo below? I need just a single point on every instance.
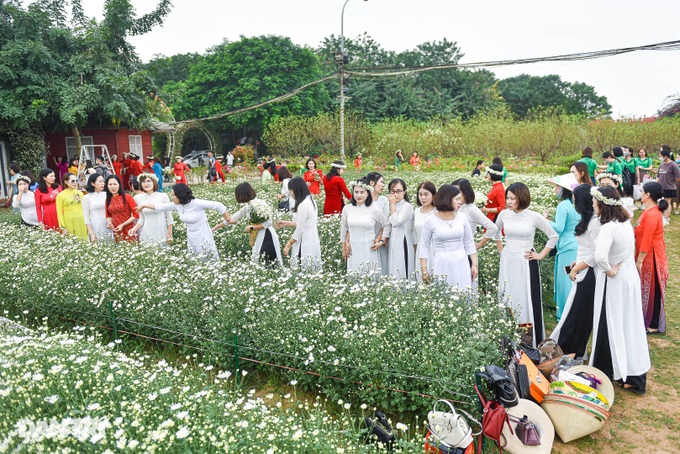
(567, 269)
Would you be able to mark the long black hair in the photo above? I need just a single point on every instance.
(335, 171)
(42, 186)
(583, 204)
(121, 190)
(655, 191)
(300, 191)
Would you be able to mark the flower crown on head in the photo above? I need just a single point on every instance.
(606, 200)
(367, 187)
(24, 178)
(611, 176)
(145, 175)
(494, 172)
(338, 166)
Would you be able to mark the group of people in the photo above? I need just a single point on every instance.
(603, 286)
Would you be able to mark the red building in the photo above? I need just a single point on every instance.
(117, 140)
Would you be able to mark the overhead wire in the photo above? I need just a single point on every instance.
(406, 70)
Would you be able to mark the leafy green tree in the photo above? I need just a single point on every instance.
(424, 95)
(164, 69)
(63, 75)
(250, 71)
(525, 92)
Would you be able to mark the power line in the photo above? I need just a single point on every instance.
(406, 70)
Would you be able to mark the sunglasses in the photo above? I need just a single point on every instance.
(72, 181)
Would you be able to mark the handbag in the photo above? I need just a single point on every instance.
(502, 385)
(379, 430)
(494, 417)
(449, 427)
(523, 382)
(527, 431)
(538, 384)
(533, 353)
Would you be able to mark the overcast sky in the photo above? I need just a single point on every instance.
(635, 84)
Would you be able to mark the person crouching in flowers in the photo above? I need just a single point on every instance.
(191, 211)
(121, 210)
(263, 238)
(619, 341)
(448, 233)
(155, 226)
(304, 244)
(361, 228)
(70, 208)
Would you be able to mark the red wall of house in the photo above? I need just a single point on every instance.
(116, 140)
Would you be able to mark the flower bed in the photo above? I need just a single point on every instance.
(71, 393)
(378, 336)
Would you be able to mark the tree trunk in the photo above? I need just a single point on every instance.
(76, 136)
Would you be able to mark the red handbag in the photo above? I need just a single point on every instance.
(494, 417)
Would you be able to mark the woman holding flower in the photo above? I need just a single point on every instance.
(120, 209)
(94, 209)
(335, 189)
(263, 238)
(619, 341)
(313, 177)
(304, 243)
(191, 211)
(155, 226)
(519, 279)
(651, 259)
(70, 208)
(361, 228)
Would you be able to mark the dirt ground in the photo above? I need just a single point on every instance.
(649, 423)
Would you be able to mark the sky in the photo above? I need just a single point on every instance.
(635, 84)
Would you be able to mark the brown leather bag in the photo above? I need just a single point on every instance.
(494, 417)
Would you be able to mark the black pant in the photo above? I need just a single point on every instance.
(602, 355)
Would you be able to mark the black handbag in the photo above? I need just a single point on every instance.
(533, 353)
(378, 429)
(502, 385)
(523, 382)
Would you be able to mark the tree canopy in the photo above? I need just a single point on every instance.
(524, 93)
(239, 74)
(59, 74)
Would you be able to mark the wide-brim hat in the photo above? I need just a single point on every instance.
(566, 181)
(535, 414)
(573, 418)
(605, 388)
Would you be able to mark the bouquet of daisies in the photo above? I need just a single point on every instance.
(480, 199)
(260, 211)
